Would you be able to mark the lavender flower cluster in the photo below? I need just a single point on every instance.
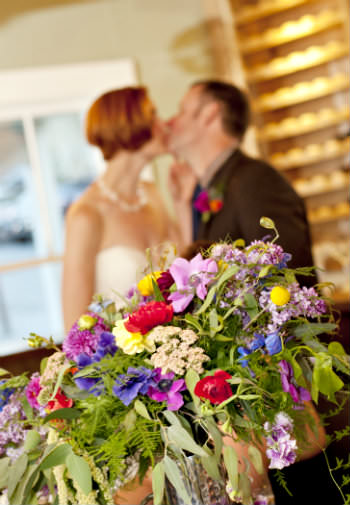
(281, 447)
(12, 431)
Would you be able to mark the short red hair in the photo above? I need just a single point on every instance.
(120, 119)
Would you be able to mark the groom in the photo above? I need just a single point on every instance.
(234, 190)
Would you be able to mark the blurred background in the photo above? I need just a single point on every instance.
(57, 55)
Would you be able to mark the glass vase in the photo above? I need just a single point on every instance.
(202, 489)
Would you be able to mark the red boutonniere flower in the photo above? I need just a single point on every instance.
(148, 316)
(215, 387)
(208, 202)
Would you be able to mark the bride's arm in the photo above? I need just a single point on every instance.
(82, 237)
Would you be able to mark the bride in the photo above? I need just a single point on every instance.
(118, 217)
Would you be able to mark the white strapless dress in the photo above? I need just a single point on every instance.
(117, 269)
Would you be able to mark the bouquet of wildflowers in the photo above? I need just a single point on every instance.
(213, 350)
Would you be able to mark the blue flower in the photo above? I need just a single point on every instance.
(136, 381)
(5, 395)
(106, 345)
(243, 351)
(257, 342)
(273, 343)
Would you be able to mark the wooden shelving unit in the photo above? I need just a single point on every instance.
(295, 55)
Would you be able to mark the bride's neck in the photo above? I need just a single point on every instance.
(123, 172)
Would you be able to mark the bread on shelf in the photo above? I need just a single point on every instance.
(305, 123)
(291, 30)
(296, 61)
(325, 213)
(301, 92)
(321, 183)
(312, 153)
(265, 8)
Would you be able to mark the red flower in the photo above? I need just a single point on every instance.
(164, 282)
(59, 402)
(148, 316)
(214, 387)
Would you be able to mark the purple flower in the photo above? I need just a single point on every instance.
(191, 277)
(80, 341)
(281, 447)
(136, 381)
(201, 203)
(5, 394)
(273, 343)
(106, 345)
(166, 389)
(32, 391)
(298, 393)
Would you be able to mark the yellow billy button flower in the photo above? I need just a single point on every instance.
(86, 322)
(279, 295)
(131, 343)
(145, 285)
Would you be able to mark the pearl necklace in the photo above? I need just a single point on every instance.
(122, 204)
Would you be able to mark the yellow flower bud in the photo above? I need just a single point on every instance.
(145, 285)
(86, 322)
(279, 295)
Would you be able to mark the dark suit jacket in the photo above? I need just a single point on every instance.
(252, 189)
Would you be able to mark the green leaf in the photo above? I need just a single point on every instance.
(289, 276)
(4, 372)
(43, 364)
(231, 464)
(216, 436)
(211, 466)
(16, 472)
(194, 322)
(4, 469)
(336, 348)
(229, 272)
(176, 479)
(264, 271)
(129, 420)
(324, 379)
(181, 438)
(80, 471)
(32, 440)
(68, 413)
(213, 322)
(191, 379)
(251, 305)
(56, 457)
(172, 418)
(141, 409)
(158, 482)
(249, 397)
(313, 329)
(157, 292)
(59, 379)
(256, 459)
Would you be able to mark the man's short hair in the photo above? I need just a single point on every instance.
(234, 105)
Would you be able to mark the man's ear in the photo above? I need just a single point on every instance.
(210, 112)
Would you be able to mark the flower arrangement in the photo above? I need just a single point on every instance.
(212, 350)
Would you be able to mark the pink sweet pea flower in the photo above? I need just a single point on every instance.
(191, 277)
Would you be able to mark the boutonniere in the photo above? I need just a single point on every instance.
(209, 201)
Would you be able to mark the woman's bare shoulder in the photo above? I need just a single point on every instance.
(84, 211)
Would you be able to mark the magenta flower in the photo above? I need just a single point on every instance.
(168, 390)
(191, 277)
(298, 393)
(32, 391)
(201, 203)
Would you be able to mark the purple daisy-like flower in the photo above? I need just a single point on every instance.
(298, 393)
(168, 390)
(79, 341)
(191, 277)
(136, 381)
(32, 391)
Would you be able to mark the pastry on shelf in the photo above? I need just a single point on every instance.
(310, 154)
(328, 212)
(305, 123)
(338, 179)
(296, 61)
(265, 8)
(301, 92)
(320, 183)
(291, 30)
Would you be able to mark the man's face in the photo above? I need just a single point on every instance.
(184, 128)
